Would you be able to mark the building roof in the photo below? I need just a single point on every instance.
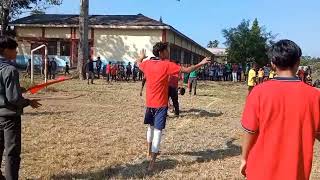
(97, 21)
(218, 51)
(71, 20)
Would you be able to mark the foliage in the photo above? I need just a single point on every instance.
(245, 43)
(213, 44)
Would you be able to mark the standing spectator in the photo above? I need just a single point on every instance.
(266, 72)
(246, 72)
(229, 72)
(28, 69)
(108, 71)
(272, 74)
(135, 72)
(252, 78)
(220, 73)
(89, 70)
(301, 74)
(114, 72)
(239, 73)
(211, 72)
(66, 69)
(98, 66)
(260, 76)
(128, 71)
(234, 72)
(54, 67)
(140, 75)
(193, 82)
(173, 91)
(49, 71)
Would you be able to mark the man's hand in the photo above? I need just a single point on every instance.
(143, 54)
(205, 61)
(243, 167)
(34, 103)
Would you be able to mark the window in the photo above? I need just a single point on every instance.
(187, 57)
(52, 48)
(175, 53)
(65, 48)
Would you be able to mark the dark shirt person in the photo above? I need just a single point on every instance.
(89, 70)
(11, 108)
(98, 66)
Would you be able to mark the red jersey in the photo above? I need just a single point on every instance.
(157, 73)
(174, 80)
(108, 69)
(285, 114)
(114, 70)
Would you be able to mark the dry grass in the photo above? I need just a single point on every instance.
(97, 132)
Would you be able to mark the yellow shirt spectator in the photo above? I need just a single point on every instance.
(271, 75)
(261, 73)
(251, 77)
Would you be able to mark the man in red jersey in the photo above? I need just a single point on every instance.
(157, 73)
(281, 120)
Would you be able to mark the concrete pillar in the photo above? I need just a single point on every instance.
(58, 48)
(182, 57)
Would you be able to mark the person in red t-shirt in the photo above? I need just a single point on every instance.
(157, 73)
(173, 91)
(114, 72)
(279, 134)
(108, 71)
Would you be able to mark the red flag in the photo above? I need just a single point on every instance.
(38, 87)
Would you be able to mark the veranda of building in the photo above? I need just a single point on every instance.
(114, 38)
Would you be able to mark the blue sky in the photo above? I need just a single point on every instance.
(203, 20)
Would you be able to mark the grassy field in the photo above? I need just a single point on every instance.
(97, 132)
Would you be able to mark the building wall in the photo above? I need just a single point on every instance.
(186, 45)
(124, 45)
(29, 32)
(58, 33)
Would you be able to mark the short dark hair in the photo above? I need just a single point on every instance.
(158, 47)
(7, 42)
(284, 54)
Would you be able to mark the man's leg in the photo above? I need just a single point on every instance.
(190, 85)
(195, 86)
(92, 77)
(150, 132)
(160, 117)
(12, 135)
(88, 76)
(175, 101)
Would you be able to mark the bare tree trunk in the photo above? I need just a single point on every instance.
(5, 10)
(83, 30)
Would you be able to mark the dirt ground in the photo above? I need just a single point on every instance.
(97, 132)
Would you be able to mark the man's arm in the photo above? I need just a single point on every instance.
(195, 67)
(247, 142)
(318, 136)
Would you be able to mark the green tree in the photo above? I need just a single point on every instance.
(10, 9)
(247, 43)
(213, 44)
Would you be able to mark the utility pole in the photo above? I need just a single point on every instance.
(84, 42)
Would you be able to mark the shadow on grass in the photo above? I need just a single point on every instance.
(128, 171)
(46, 113)
(231, 150)
(139, 171)
(199, 113)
